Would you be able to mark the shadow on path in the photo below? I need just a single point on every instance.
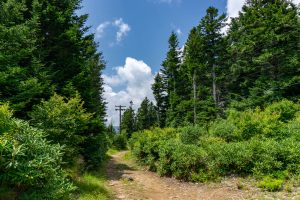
(116, 170)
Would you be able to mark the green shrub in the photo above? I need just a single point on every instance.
(28, 162)
(253, 142)
(64, 121)
(285, 109)
(290, 152)
(291, 129)
(67, 123)
(187, 160)
(271, 184)
(207, 141)
(165, 160)
(120, 141)
(191, 134)
(224, 129)
(266, 156)
(255, 123)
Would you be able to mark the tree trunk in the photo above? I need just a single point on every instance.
(195, 96)
(214, 85)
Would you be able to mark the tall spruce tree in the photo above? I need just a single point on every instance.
(23, 78)
(67, 52)
(264, 53)
(45, 48)
(175, 77)
(159, 89)
(170, 74)
(146, 116)
(194, 62)
(128, 121)
(210, 27)
(202, 60)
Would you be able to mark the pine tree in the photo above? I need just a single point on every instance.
(264, 62)
(194, 62)
(175, 77)
(159, 89)
(210, 27)
(68, 53)
(128, 121)
(45, 48)
(23, 78)
(146, 116)
(152, 115)
(170, 74)
(202, 60)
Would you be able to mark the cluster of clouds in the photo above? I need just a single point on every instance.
(122, 29)
(137, 78)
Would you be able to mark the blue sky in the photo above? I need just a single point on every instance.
(133, 37)
(150, 22)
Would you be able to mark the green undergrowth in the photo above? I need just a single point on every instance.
(112, 151)
(271, 184)
(93, 185)
(262, 143)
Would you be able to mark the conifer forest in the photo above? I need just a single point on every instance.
(226, 104)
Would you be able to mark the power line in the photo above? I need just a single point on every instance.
(120, 109)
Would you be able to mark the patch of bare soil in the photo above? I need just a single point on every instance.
(128, 182)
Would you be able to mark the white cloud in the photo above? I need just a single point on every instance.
(123, 29)
(101, 28)
(234, 6)
(112, 80)
(137, 78)
(178, 31)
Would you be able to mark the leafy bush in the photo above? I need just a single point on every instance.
(165, 159)
(285, 109)
(28, 162)
(64, 121)
(224, 129)
(271, 184)
(253, 142)
(187, 160)
(67, 123)
(120, 141)
(95, 144)
(256, 122)
(191, 134)
(146, 145)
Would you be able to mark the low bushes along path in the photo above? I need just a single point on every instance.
(129, 182)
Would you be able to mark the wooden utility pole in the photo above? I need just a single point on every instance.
(120, 109)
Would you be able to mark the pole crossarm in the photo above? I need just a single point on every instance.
(120, 108)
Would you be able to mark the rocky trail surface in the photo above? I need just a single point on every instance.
(129, 182)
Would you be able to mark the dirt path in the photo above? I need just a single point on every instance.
(130, 183)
